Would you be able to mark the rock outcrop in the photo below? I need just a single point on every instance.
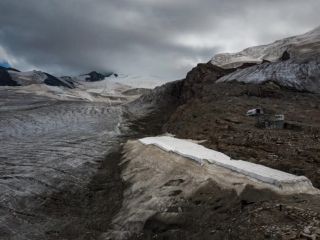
(38, 77)
(96, 76)
(5, 78)
(167, 96)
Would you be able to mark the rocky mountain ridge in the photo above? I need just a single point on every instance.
(301, 48)
(292, 62)
(13, 77)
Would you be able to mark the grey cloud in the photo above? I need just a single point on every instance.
(151, 37)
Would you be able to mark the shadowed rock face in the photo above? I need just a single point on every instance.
(170, 95)
(198, 77)
(53, 81)
(5, 78)
(37, 77)
(210, 104)
(9, 68)
(285, 56)
(96, 76)
(164, 98)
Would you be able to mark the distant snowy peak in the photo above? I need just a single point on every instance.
(12, 77)
(96, 76)
(299, 48)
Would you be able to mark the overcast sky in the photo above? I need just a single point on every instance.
(165, 38)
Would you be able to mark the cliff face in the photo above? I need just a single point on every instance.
(163, 98)
(199, 77)
(218, 116)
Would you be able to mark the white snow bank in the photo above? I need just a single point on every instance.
(201, 154)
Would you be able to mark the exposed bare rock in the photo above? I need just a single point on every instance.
(5, 78)
(198, 77)
(164, 98)
(38, 77)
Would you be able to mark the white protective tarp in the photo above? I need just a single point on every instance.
(201, 154)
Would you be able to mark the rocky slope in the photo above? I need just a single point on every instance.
(210, 104)
(96, 76)
(35, 77)
(6, 79)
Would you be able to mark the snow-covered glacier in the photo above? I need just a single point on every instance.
(50, 148)
(292, 62)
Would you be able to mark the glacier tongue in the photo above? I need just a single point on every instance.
(292, 62)
(302, 77)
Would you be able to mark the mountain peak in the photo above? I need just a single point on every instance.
(299, 47)
(95, 76)
(291, 62)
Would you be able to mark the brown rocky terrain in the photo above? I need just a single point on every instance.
(216, 113)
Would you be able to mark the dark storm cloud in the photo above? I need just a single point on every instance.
(160, 37)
